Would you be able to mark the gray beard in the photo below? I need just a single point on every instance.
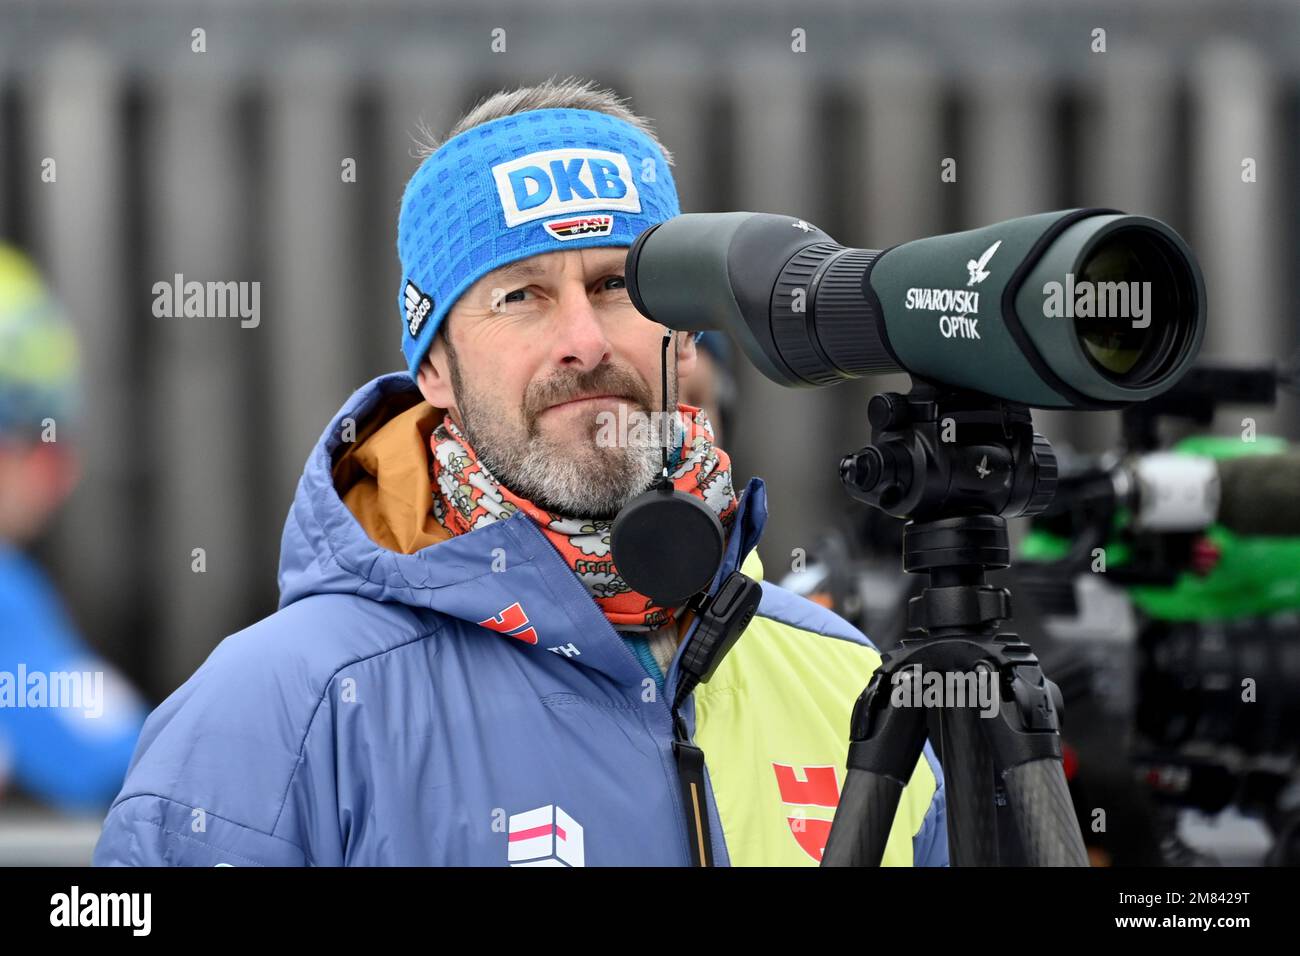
(594, 484)
(594, 489)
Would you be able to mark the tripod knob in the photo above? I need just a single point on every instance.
(1045, 474)
(871, 475)
(863, 470)
(887, 410)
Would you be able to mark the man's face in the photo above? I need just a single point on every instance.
(534, 358)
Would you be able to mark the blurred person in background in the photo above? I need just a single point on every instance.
(712, 386)
(70, 752)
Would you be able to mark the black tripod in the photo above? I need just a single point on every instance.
(956, 463)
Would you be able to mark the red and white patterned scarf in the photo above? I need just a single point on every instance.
(467, 496)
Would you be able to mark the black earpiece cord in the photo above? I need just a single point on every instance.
(663, 368)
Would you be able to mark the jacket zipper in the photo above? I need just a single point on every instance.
(665, 712)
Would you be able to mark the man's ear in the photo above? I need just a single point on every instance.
(434, 378)
(687, 353)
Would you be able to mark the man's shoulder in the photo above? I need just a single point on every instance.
(317, 635)
(794, 639)
(231, 738)
(795, 611)
(264, 685)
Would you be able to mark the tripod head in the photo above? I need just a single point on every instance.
(939, 453)
(957, 463)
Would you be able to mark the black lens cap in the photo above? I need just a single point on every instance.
(667, 545)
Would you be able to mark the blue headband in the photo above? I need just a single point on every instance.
(514, 187)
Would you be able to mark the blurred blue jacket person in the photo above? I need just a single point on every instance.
(68, 722)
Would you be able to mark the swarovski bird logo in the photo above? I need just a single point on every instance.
(976, 266)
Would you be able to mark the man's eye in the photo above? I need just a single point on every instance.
(516, 296)
(616, 279)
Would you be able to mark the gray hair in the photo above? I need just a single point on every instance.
(570, 93)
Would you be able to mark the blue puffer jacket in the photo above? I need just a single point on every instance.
(73, 755)
(375, 719)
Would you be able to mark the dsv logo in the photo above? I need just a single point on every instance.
(818, 790)
(513, 622)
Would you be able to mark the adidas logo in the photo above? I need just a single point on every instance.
(418, 308)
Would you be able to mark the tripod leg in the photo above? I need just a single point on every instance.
(886, 744)
(863, 819)
(1044, 813)
(1026, 740)
(968, 784)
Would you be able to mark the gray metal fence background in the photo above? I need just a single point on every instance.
(225, 165)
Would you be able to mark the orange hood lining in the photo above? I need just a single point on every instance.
(383, 477)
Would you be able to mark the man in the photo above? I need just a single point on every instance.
(457, 673)
(68, 721)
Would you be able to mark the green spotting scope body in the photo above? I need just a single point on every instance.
(1078, 308)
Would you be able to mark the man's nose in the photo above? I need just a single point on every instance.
(580, 339)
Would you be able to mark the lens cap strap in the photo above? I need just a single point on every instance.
(669, 576)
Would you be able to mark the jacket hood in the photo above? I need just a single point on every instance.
(360, 521)
(361, 524)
